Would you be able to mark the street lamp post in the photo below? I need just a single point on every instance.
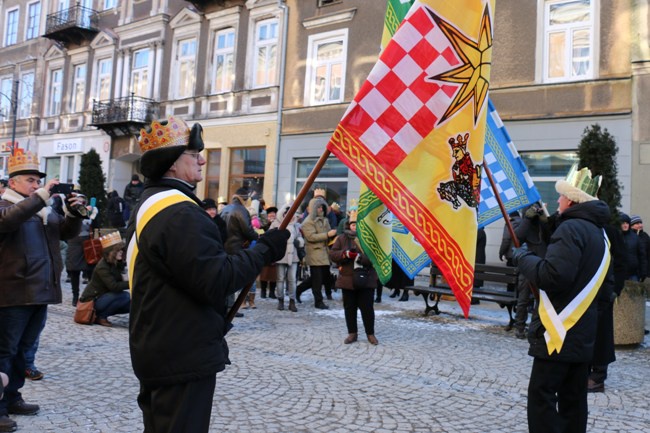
(14, 108)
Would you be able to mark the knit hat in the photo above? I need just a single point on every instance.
(635, 219)
(164, 142)
(625, 218)
(579, 186)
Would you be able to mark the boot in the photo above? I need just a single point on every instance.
(272, 290)
(405, 296)
(75, 296)
(263, 295)
(243, 304)
(251, 300)
(395, 293)
(292, 306)
(351, 338)
(372, 340)
(280, 304)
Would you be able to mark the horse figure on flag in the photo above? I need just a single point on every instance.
(466, 183)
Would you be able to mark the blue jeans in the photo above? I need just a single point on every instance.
(30, 353)
(19, 328)
(110, 304)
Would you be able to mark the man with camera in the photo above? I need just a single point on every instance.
(31, 269)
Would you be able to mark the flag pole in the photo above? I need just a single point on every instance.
(283, 225)
(511, 230)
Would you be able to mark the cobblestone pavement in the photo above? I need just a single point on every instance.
(292, 373)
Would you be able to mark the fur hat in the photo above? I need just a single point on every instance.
(164, 142)
(23, 163)
(579, 186)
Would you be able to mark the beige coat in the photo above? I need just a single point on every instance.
(314, 230)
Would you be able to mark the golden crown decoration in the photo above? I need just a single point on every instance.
(21, 161)
(352, 216)
(353, 205)
(111, 239)
(459, 142)
(320, 191)
(174, 133)
(582, 180)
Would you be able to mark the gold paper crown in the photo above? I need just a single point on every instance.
(111, 239)
(21, 161)
(353, 216)
(174, 133)
(353, 205)
(582, 180)
(459, 142)
(320, 191)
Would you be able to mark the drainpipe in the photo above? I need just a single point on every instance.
(283, 62)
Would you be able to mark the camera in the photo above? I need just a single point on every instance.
(62, 188)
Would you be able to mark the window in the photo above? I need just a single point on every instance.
(26, 95)
(69, 178)
(6, 98)
(109, 4)
(186, 65)
(545, 169)
(266, 47)
(568, 40)
(322, 3)
(11, 27)
(247, 169)
(52, 168)
(79, 88)
(213, 173)
(326, 67)
(333, 175)
(140, 73)
(55, 89)
(224, 61)
(33, 20)
(104, 76)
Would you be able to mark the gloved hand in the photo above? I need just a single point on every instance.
(502, 257)
(518, 253)
(276, 242)
(350, 254)
(532, 212)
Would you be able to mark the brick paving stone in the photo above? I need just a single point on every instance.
(292, 373)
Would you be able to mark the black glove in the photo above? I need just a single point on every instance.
(276, 242)
(518, 253)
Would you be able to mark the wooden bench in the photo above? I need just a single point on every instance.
(502, 275)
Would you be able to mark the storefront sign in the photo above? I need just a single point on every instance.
(68, 146)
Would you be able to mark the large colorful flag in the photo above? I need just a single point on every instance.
(509, 172)
(414, 133)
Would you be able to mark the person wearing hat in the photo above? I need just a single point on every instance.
(636, 225)
(133, 191)
(30, 233)
(636, 260)
(562, 331)
(180, 275)
(107, 286)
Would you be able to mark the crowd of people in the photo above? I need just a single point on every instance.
(185, 270)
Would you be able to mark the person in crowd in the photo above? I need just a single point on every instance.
(30, 234)
(636, 260)
(317, 233)
(348, 255)
(221, 203)
(287, 266)
(269, 275)
(481, 243)
(180, 275)
(75, 261)
(569, 277)
(241, 232)
(530, 231)
(133, 191)
(115, 210)
(636, 225)
(505, 249)
(336, 211)
(398, 282)
(108, 287)
(3, 186)
(212, 209)
(341, 225)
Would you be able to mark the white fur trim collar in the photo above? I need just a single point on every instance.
(13, 197)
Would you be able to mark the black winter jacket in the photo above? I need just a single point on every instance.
(573, 256)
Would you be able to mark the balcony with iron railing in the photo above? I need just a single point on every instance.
(204, 4)
(72, 25)
(124, 116)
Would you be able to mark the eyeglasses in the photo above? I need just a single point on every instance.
(194, 155)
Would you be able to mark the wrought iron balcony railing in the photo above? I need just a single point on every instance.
(122, 116)
(72, 24)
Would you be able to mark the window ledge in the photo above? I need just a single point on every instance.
(329, 19)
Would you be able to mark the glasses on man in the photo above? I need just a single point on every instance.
(194, 155)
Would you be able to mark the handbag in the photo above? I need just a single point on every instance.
(85, 312)
(92, 251)
(360, 278)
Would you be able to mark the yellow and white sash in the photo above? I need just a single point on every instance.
(557, 325)
(150, 208)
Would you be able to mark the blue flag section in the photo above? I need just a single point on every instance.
(509, 172)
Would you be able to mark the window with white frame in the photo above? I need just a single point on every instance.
(11, 27)
(79, 88)
(33, 20)
(6, 98)
(326, 61)
(140, 73)
(265, 52)
(26, 95)
(568, 40)
(224, 61)
(110, 4)
(546, 168)
(104, 76)
(333, 176)
(55, 92)
(186, 67)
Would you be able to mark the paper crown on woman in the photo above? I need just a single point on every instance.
(21, 162)
(163, 142)
(579, 186)
(111, 240)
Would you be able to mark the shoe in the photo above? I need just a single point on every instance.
(263, 294)
(238, 314)
(102, 321)
(351, 338)
(281, 304)
(322, 306)
(292, 306)
(475, 301)
(21, 408)
(299, 291)
(395, 293)
(520, 334)
(33, 374)
(405, 296)
(272, 294)
(373, 340)
(251, 301)
(7, 424)
(593, 386)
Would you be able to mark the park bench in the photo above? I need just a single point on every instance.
(496, 279)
